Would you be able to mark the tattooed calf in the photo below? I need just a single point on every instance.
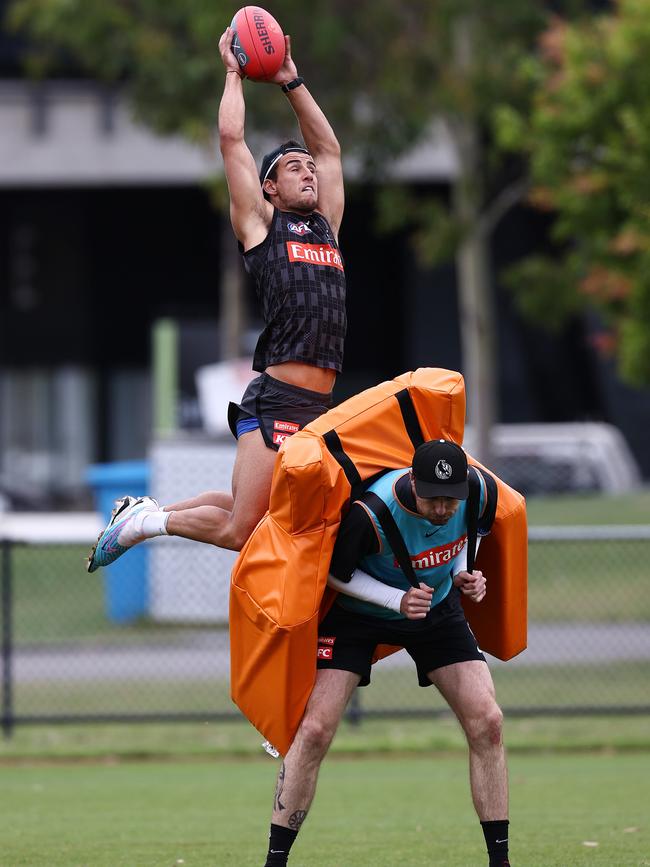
(296, 819)
(278, 805)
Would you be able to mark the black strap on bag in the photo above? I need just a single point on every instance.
(473, 506)
(335, 447)
(410, 417)
(395, 538)
(473, 503)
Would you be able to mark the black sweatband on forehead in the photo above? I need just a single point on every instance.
(271, 160)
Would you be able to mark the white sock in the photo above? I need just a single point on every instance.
(146, 524)
(154, 524)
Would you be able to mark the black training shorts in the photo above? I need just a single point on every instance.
(280, 408)
(347, 641)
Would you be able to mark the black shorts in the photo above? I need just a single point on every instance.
(347, 641)
(280, 408)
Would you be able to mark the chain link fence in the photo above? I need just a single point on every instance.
(66, 658)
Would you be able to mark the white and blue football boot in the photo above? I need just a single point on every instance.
(118, 535)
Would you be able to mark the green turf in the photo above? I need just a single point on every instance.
(590, 509)
(406, 811)
(117, 695)
(227, 739)
(622, 685)
(591, 582)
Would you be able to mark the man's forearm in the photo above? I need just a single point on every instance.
(316, 130)
(232, 109)
(369, 589)
(460, 564)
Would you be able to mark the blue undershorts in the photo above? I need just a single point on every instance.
(245, 425)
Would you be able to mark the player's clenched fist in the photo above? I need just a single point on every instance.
(472, 584)
(416, 602)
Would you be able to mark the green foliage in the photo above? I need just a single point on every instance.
(434, 232)
(381, 70)
(162, 53)
(588, 141)
(545, 291)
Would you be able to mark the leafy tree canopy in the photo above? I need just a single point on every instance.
(588, 142)
(380, 69)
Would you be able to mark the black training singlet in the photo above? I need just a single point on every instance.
(300, 282)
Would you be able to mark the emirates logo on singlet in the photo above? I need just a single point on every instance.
(314, 254)
(435, 557)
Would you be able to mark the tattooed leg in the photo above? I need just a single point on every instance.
(278, 806)
(296, 819)
(298, 775)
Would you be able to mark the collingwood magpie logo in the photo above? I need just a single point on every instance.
(443, 470)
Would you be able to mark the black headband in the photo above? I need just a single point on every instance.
(271, 160)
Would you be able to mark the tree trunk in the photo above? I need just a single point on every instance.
(478, 338)
(232, 314)
(477, 326)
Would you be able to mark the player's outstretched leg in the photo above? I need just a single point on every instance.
(124, 530)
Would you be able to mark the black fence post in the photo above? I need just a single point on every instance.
(6, 595)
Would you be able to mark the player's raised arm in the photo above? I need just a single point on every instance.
(250, 214)
(319, 138)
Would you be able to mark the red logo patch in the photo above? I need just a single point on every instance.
(314, 254)
(326, 639)
(325, 652)
(282, 430)
(438, 556)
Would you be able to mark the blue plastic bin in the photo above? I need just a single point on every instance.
(125, 581)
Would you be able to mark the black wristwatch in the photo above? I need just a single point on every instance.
(292, 85)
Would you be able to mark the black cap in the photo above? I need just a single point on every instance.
(440, 470)
(270, 160)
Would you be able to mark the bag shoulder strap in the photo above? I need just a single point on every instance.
(473, 507)
(334, 445)
(395, 539)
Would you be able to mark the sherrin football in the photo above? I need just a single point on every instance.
(258, 43)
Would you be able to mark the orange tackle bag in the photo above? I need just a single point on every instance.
(278, 588)
(500, 621)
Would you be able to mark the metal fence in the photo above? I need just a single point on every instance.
(65, 656)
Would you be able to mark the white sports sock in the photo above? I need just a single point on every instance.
(154, 524)
(146, 524)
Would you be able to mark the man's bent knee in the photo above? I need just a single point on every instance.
(485, 729)
(316, 735)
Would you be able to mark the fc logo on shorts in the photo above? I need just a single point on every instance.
(282, 430)
(326, 652)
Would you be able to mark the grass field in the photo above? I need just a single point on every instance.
(217, 740)
(567, 811)
(589, 509)
(623, 684)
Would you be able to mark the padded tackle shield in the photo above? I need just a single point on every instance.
(500, 621)
(278, 588)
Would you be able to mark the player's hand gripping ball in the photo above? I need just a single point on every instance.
(258, 43)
